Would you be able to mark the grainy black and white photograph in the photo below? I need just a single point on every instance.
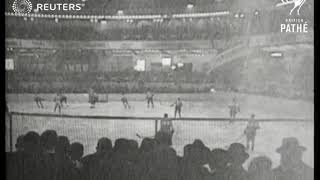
(159, 89)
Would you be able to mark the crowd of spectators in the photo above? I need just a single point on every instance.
(224, 27)
(217, 28)
(50, 156)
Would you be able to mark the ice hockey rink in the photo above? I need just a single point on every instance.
(215, 134)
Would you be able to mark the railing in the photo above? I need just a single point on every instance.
(214, 132)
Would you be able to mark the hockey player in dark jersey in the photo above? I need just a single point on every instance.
(93, 98)
(57, 101)
(177, 107)
(38, 101)
(166, 127)
(149, 98)
(64, 100)
(251, 131)
(125, 102)
(234, 109)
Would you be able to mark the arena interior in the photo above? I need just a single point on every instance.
(208, 53)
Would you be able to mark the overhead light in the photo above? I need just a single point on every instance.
(256, 12)
(276, 54)
(103, 22)
(120, 12)
(190, 6)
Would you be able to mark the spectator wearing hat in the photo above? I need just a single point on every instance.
(291, 165)
(260, 168)
(238, 156)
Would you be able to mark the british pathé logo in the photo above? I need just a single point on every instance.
(297, 4)
(22, 6)
(293, 25)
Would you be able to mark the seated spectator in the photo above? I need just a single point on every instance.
(147, 145)
(91, 163)
(218, 163)
(162, 162)
(19, 144)
(146, 148)
(133, 150)
(260, 168)
(291, 165)
(122, 164)
(238, 156)
(62, 158)
(48, 142)
(192, 164)
(27, 165)
(76, 153)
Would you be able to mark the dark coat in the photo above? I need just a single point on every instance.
(299, 172)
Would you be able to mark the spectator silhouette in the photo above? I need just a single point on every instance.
(183, 161)
(27, 164)
(76, 154)
(62, 158)
(291, 165)
(162, 162)
(48, 141)
(238, 156)
(122, 161)
(192, 164)
(19, 144)
(218, 162)
(146, 148)
(51, 157)
(260, 168)
(91, 163)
